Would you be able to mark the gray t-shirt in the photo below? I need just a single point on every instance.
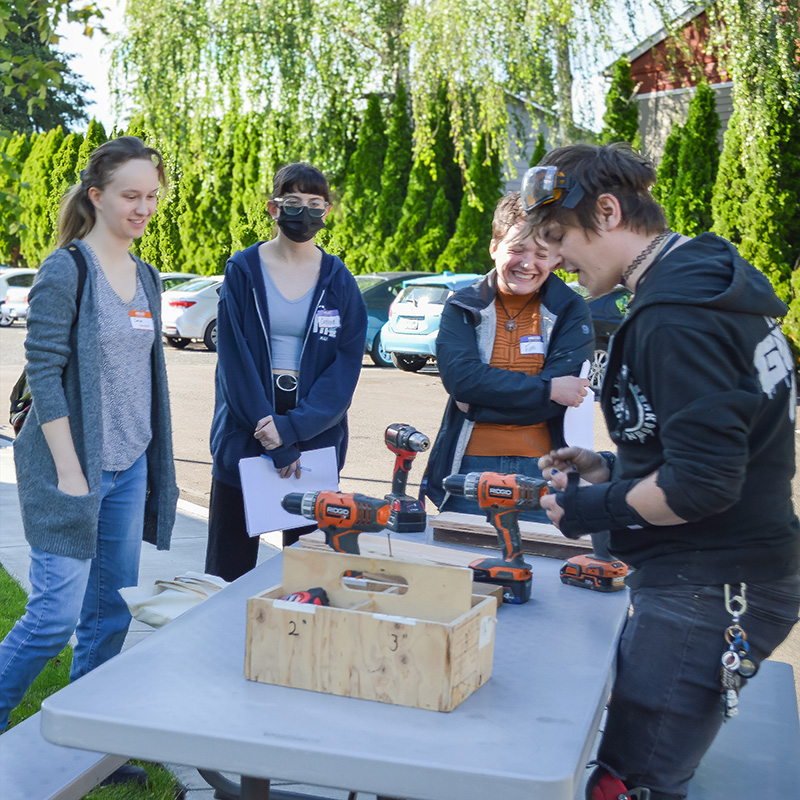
(287, 324)
(126, 344)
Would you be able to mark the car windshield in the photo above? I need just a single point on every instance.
(367, 281)
(194, 285)
(422, 295)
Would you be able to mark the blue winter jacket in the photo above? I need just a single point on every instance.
(330, 363)
(463, 352)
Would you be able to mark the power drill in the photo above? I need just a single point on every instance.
(405, 441)
(502, 497)
(341, 517)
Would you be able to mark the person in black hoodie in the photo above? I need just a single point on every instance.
(291, 329)
(699, 397)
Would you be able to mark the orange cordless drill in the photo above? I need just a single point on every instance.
(405, 441)
(502, 497)
(341, 517)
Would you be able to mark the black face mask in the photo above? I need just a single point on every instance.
(301, 227)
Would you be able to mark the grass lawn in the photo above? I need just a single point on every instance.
(53, 677)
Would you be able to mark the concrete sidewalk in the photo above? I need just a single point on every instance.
(187, 553)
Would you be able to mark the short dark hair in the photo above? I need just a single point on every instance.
(508, 213)
(615, 169)
(300, 177)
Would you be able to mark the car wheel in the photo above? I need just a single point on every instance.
(210, 336)
(408, 362)
(598, 369)
(6, 320)
(176, 341)
(379, 355)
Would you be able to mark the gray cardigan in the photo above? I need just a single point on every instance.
(63, 371)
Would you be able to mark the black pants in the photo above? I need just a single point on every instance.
(230, 551)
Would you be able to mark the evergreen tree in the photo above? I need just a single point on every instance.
(37, 236)
(667, 173)
(621, 120)
(438, 231)
(357, 211)
(539, 151)
(190, 226)
(15, 151)
(468, 250)
(248, 196)
(698, 158)
(95, 136)
(396, 169)
(730, 188)
(402, 250)
(65, 172)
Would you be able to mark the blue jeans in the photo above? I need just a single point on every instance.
(80, 595)
(507, 464)
(665, 707)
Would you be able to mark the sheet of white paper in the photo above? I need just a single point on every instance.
(263, 489)
(579, 422)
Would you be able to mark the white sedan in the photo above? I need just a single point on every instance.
(189, 311)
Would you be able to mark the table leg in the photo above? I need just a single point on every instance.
(254, 788)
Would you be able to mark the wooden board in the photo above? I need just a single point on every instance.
(376, 545)
(537, 539)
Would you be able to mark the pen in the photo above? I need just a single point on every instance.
(269, 458)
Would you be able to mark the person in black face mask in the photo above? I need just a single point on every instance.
(291, 327)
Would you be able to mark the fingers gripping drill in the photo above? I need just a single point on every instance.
(341, 517)
(503, 498)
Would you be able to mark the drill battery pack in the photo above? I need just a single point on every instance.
(594, 574)
(516, 583)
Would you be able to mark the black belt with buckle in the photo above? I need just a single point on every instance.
(286, 382)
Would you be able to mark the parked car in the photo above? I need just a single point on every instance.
(607, 311)
(410, 333)
(189, 311)
(379, 290)
(14, 286)
(169, 280)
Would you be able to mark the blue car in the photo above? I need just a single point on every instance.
(410, 334)
(379, 290)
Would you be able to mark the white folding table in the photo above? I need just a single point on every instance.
(180, 696)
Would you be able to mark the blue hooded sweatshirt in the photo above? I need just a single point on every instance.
(330, 363)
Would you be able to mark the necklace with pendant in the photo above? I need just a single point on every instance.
(511, 322)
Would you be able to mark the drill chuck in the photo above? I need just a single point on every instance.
(463, 485)
(301, 503)
(406, 437)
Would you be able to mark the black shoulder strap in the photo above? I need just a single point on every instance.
(80, 263)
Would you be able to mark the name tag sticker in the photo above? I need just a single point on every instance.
(141, 320)
(531, 345)
(328, 319)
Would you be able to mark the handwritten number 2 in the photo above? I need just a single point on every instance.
(293, 628)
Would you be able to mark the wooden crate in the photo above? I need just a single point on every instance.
(430, 646)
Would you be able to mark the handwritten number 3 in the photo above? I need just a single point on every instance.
(394, 642)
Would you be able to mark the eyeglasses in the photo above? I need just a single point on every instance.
(294, 205)
(542, 185)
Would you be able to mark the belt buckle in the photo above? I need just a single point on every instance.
(290, 380)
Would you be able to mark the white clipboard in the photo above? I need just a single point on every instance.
(263, 488)
(579, 420)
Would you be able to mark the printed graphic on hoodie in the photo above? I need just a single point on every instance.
(773, 362)
(636, 420)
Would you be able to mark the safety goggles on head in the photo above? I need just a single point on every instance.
(542, 185)
(294, 205)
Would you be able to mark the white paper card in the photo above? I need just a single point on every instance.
(263, 489)
(579, 422)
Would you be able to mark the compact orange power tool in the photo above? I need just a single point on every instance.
(503, 497)
(341, 517)
(405, 441)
